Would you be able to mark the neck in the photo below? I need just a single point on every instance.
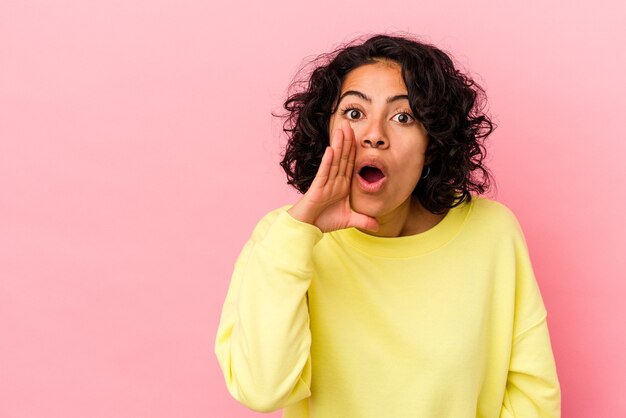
(409, 218)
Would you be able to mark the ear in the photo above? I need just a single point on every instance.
(428, 160)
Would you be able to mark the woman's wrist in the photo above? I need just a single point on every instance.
(302, 212)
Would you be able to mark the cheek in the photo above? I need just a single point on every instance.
(413, 152)
(413, 164)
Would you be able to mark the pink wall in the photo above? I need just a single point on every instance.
(137, 152)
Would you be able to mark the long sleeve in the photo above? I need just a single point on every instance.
(263, 339)
(532, 388)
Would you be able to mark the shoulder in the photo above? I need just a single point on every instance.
(267, 220)
(485, 205)
(279, 222)
(490, 213)
(271, 216)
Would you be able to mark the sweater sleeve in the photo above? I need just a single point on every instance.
(263, 339)
(532, 388)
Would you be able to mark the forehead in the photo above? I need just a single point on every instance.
(380, 76)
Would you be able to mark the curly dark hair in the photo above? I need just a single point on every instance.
(447, 102)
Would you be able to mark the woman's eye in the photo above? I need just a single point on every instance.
(403, 118)
(353, 114)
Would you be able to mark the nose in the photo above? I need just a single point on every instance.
(375, 143)
(375, 137)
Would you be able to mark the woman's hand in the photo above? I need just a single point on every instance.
(327, 202)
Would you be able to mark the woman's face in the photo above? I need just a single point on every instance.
(391, 143)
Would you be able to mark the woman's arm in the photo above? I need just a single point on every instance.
(532, 388)
(263, 340)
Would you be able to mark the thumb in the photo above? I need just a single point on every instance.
(359, 220)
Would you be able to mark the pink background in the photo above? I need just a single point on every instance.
(137, 152)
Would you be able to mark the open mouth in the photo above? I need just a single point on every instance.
(371, 174)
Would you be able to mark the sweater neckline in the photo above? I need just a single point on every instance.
(410, 245)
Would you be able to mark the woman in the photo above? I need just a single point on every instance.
(388, 289)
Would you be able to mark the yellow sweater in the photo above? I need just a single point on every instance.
(446, 323)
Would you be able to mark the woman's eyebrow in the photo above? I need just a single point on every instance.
(397, 97)
(368, 99)
(357, 94)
